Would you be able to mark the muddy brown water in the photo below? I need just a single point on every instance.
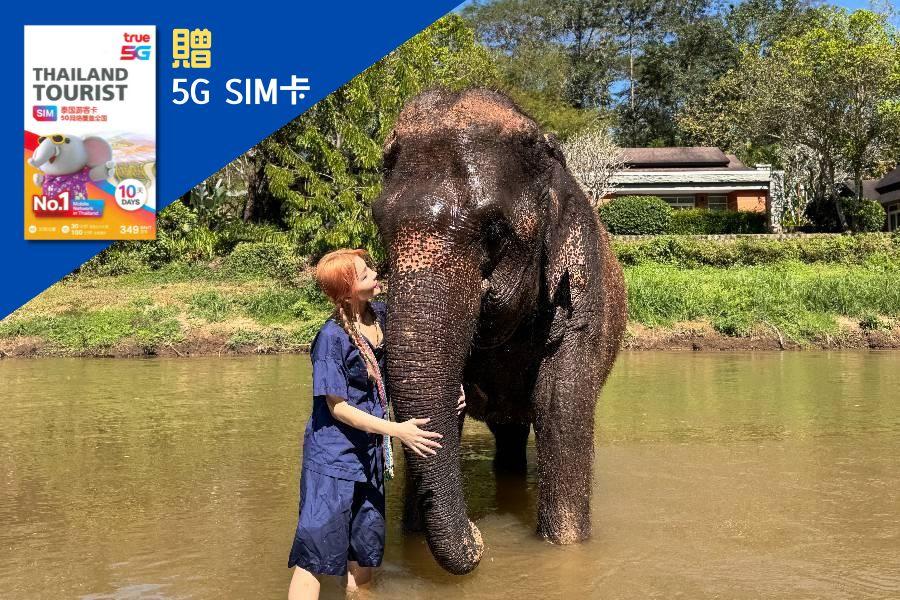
(716, 476)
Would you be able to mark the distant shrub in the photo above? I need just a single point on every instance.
(176, 219)
(234, 233)
(179, 237)
(688, 252)
(872, 322)
(121, 258)
(700, 221)
(636, 215)
(823, 216)
(865, 215)
(263, 259)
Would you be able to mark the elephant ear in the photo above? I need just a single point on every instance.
(555, 149)
(571, 229)
(99, 152)
(389, 151)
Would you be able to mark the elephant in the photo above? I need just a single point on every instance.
(69, 162)
(501, 278)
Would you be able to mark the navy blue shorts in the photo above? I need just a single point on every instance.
(340, 520)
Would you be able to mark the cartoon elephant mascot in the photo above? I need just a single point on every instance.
(69, 162)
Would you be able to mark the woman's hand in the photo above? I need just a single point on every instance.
(461, 403)
(418, 440)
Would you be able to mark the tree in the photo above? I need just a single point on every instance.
(325, 166)
(593, 158)
(833, 90)
(526, 31)
(669, 73)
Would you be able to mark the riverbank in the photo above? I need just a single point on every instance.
(690, 336)
(202, 309)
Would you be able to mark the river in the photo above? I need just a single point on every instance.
(734, 475)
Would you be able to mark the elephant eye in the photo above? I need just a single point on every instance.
(496, 238)
(42, 138)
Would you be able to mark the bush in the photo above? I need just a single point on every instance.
(865, 215)
(120, 258)
(178, 237)
(636, 215)
(232, 234)
(822, 215)
(687, 252)
(700, 221)
(176, 219)
(263, 259)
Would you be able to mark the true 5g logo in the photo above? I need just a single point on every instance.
(130, 51)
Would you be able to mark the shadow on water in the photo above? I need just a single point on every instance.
(716, 476)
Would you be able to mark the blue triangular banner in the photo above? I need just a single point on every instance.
(328, 43)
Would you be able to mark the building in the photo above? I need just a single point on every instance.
(694, 177)
(888, 189)
(885, 190)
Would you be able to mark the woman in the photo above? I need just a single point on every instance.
(346, 447)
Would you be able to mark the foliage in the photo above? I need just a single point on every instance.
(593, 159)
(636, 215)
(865, 215)
(687, 252)
(553, 114)
(284, 305)
(669, 72)
(209, 305)
(557, 46)
(325, 166)
(700, 221)
(832, 91)
(262, 259)
(861, 215)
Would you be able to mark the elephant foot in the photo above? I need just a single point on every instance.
(564, 527)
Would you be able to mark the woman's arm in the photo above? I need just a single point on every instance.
(358, 419)
(408, 432)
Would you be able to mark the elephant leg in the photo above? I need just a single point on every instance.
(512, 440)
(564, 434)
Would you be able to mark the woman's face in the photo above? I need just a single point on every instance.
(366, 285)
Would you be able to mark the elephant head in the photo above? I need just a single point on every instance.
(60, 154)
(471, 215)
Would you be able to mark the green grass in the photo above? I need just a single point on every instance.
(210, 305)
(81, 330)
(801, 300)
(807, 290)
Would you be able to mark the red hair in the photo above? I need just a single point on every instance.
(336, 272)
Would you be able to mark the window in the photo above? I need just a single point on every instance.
(717, 202)
(680, 201)
(894, 218)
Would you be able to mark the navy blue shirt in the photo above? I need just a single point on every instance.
(331, 447)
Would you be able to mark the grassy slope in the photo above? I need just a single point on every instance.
(184, 309)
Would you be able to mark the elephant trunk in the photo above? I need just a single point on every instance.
(44, 152)
(432, 312)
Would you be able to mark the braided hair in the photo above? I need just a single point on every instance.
(335, 274)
